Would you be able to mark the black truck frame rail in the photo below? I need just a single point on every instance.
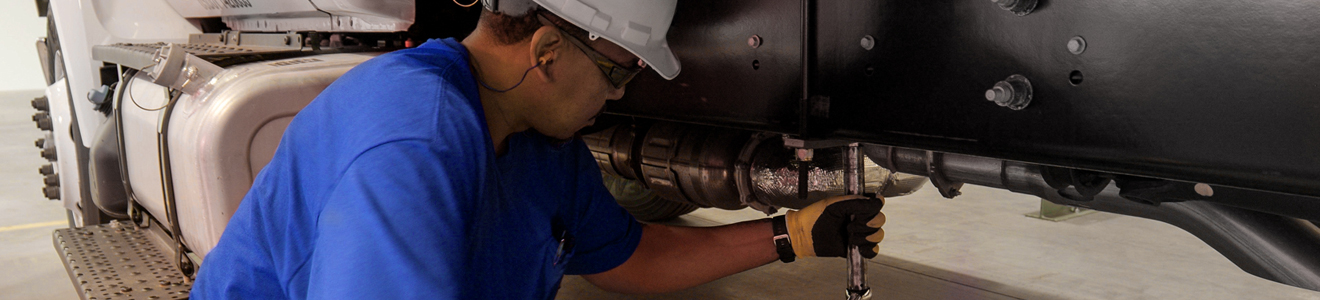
(1216, 92)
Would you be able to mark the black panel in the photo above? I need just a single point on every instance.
(723, 80)
(1220, 92)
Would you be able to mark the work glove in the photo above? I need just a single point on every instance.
(826, 228)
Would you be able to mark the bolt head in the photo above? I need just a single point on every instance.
(754, 41)
(1205, 190)
(868, 42)
(804, 154)
(1000, 94)
(53, 193)
(1076, 45)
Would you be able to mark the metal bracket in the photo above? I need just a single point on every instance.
(804, 155)
(813, 144)
(819, 106)
(282, 41)
(812, 109)
(742, 170)
(1056, 212)
(947, 188)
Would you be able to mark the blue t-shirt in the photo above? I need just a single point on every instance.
(387, 187)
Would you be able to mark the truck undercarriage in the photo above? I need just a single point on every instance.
(1192, 113)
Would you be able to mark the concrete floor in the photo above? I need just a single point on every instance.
(978, 246)
(29, 267)
(981, 246)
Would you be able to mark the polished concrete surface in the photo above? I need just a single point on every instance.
(977, 246)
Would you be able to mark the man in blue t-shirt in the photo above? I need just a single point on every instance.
(449, 171)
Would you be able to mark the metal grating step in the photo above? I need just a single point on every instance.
(117, 261)
(140, 55)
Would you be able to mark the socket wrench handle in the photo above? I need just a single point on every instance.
(853, 182)
(857, 288)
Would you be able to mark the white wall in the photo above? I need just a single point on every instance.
(19, 29)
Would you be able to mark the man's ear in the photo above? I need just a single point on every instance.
(547, 43)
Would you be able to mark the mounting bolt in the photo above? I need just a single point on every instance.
(1018, 7)
(868, 42)
(1076, 45)
(52, 180)
(41, 143)
(1013, 93)
(288, 40)
(43, 120)
(46, 169)
(51, 192)
(803, 154)
(48, 151)
(41, 103)
(754, 41)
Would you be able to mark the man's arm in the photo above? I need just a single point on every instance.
(671, 258)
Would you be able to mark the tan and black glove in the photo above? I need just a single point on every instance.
(826, 228)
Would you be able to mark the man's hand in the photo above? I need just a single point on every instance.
(826, 228)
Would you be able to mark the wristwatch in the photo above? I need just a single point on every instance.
(782, 242)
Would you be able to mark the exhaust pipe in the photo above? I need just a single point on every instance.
(1275, 247)
(728, 168)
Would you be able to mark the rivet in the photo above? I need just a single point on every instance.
(1077, 45)
(1204, 190)
(754, 41)
(868, 42)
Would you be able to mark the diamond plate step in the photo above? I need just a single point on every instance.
(117, 261)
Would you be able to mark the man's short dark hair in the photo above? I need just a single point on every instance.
(510, 30)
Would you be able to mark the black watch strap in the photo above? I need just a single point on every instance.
(782, 242)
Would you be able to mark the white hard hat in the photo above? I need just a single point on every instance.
(639, 26)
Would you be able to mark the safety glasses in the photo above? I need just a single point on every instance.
(616, 73)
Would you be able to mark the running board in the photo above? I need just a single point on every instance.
(119, 261)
